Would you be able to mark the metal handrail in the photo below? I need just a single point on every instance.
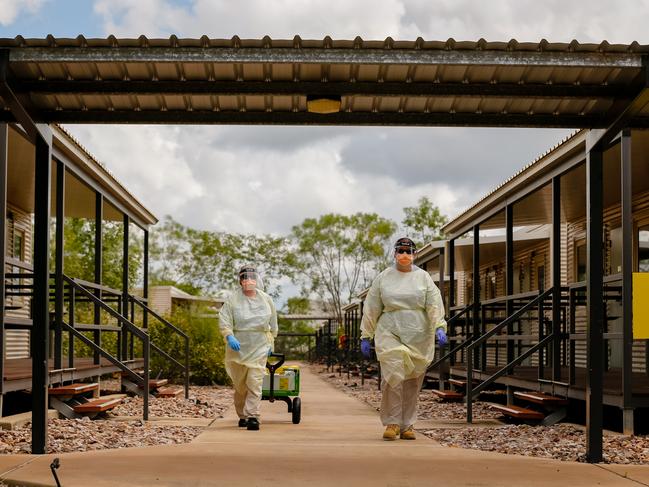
(458, 347)
(510, 319)
(128, 325)
(471, 391)
(175, 329)
(134, 375)
(166, 355)
(131, 327)
(165, 322)
(510, 297)
(491, 379)
(99, 287)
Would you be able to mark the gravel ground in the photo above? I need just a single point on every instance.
(565, 442)
(69, 435)
(562, 442)
(430, 407)
(203, 402)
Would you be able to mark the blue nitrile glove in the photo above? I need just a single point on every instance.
(233, 343)
(441, 337)
(365, 347)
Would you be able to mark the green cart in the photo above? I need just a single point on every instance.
(283, 384)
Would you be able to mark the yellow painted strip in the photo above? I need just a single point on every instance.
(640, 305)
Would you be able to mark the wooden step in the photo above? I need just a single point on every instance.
(461, 382)
(126, 374)
(98, 405)
(518, 412)
(448, 395)
(170, 391)
(72, 390)
(156, 383)
(541, 398)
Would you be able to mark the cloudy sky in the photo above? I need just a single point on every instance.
(266, 179)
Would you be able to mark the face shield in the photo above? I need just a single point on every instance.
(404, 251)
(249, 279)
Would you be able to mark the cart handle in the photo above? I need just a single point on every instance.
(272, 367)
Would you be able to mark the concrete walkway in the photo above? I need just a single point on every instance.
(337, 444)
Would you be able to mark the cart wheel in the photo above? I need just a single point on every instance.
(297, 410)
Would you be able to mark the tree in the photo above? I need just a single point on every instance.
(79, 252)
(79, 262)
(424, 221)
(340, 254)
(206, 261)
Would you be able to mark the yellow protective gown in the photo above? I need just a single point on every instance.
(252, 321)
(401, 312)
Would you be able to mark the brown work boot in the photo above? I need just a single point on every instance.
(391, 432)
(408, 434)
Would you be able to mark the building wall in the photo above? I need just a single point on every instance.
(160, 299)
(576, 236)
(19, 229)
(526, 269)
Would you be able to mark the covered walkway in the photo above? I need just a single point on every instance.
(337, 443)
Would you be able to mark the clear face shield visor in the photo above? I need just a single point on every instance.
(404, 252)
(249, 279)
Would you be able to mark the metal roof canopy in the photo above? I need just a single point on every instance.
(266, 81)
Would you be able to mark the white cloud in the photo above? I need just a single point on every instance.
(253, 18)
(10, 9)
(188, 173)
(266, 179)
(526, 20)
(529, 20)
(147, 160)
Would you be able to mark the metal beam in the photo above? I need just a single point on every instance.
(629, 111)
(18, 111)
(595, 306)
(125, 271)
(555, 259)
(451, 276)
(286, 55)
(4, 154)
(99, 266)
(145, 280)
(329, 88)
(627, 267)
(567, 120)
(442, 262)
(476, 289)
(40, 303)
(58, 265)
(509, 274)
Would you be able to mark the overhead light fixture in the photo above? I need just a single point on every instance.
(322, 104)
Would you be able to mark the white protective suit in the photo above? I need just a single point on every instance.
(401, 312)
(253, 322)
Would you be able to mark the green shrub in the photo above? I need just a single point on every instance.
(206, 349)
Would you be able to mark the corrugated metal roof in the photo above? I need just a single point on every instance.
(388, 82)
(326, 42)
